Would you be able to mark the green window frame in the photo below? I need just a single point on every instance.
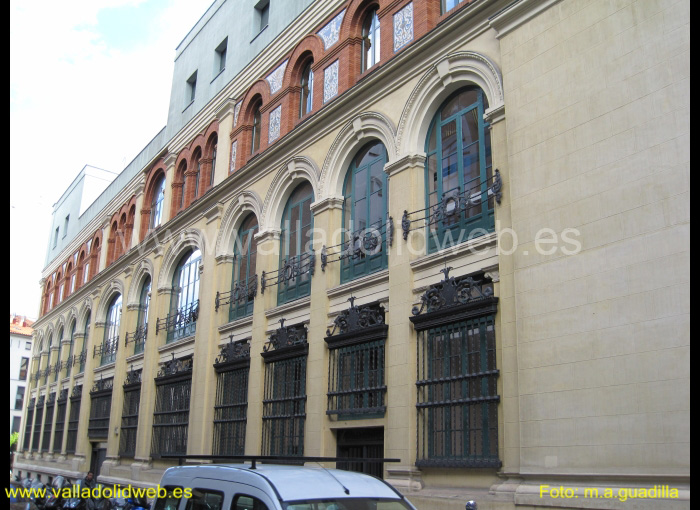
(71, 349)
(184, 302)
(244, 269)
(458, 170)
(295, 243)
(142, 320)
(58, 361)
(83, 351)
(111, 339)
(365, 213)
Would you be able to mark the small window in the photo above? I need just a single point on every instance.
(55, 237)
(65, 226)
(243, 502)
(257, 119)
(448, 5)
(221, 56)
(263, 14)
(28, 346)
(370, 40)
(307, 90)
(23, 368)
(19, 398)
(191, 88)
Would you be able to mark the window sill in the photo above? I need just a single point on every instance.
(258, 34)
(188, 105)
(217, 75)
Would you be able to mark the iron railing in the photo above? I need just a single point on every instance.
(73, 419)
(38, 419)
(459, 215)
(181, 323)
(48, 423)
(240, 298)
(362, 252)
(107, 350)
(172, 410)
(293, 278)
(61, 406)
(138, 338)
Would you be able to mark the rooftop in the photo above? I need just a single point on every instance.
(20, 325)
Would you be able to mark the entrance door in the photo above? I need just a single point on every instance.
(365, 443)
(98, 457)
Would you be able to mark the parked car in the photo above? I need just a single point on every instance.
(275, 487)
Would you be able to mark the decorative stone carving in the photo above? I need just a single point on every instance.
(330, 82)
(274, 79)
(331, 31)
(275, 122)
(403, 27)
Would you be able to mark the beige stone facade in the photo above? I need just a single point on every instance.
(588, 104)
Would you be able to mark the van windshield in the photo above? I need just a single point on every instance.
(348, 504)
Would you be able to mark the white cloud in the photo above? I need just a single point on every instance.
(74, 101)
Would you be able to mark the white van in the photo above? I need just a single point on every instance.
(275, 487)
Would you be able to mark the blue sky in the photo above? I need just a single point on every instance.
(89, 84)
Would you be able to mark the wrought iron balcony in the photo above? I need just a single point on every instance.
(240, 298)
(138, 338)
(460, 214)
(181, 323)
(362, 252)
(107, 350)
(80, 359)
(293, 278)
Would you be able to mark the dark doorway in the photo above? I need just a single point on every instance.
(366, 443)
(98, 457)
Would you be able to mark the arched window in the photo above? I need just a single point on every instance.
(184, 303)
(58, 360)
(183, 179)
(83, 349)
(364, 213)
(144, 303)
(48, 359)
(307, 90)
(370, 40)
(458, 171)
(157, 202)
(257, 126)
(71, 348)
(198, 169)
(111, 339)
(295, 244)
(214, 146)
(243, 284)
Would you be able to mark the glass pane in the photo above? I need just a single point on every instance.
(376, 213)
(377, 176)
(450, 178)
(459, 103)
(360, 214)
(360, 184)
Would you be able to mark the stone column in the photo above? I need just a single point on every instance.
(406, 193)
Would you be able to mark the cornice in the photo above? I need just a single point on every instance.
(517, 14)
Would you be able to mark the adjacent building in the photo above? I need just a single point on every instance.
(455, 234)
(20, 356)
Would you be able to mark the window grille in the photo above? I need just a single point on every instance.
(28, 426)
(73, 420)
(172, 410)
(284, 407)
(61, 405)
(100, 408)
(356, 362)
(48, 423)
(130, 419)
(284, 404)
(231, 407)
(457, 375)
(39, 412)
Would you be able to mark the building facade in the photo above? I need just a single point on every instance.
(449, 233)
(20, 355)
